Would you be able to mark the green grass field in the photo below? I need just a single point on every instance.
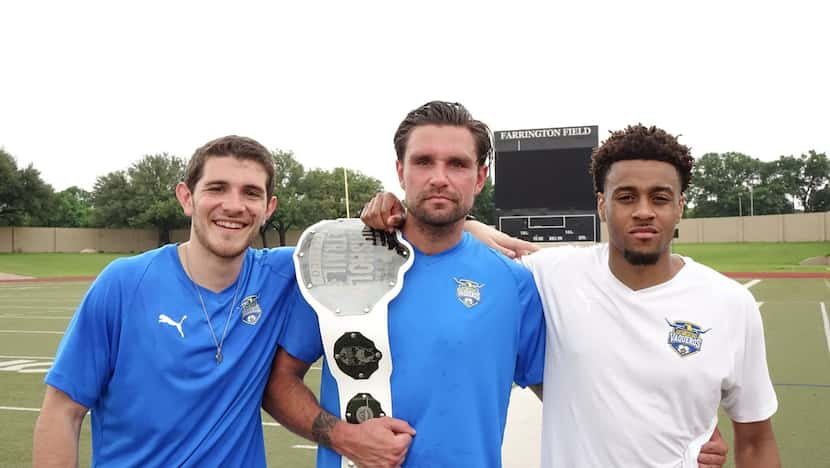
(757, 256)
(33, 316)
(52, 265)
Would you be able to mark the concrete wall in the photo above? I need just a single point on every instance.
(6, 239)
(809, 227)
(32, 239)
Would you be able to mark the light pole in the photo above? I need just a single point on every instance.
(751, 202)
(346, 187)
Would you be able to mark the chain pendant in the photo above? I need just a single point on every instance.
(219, 356)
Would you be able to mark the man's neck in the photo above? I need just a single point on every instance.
(430, 239)
(638, 277)
(206, 269)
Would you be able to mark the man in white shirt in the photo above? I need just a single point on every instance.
(643, 346)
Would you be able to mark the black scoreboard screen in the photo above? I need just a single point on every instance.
(553, 178)
(543, 187)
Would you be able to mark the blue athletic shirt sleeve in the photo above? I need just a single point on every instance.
(301, 337)
(530, 362)
(85, 357)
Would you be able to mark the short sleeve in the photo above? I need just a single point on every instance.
(750, 396)
(84, 361)
(301, 337)
(531, 358)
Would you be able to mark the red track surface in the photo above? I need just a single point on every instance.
(778, 274)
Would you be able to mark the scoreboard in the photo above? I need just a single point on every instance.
(543, 186)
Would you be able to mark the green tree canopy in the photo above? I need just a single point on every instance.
(25, 199)
(308, 196)
(141, 197)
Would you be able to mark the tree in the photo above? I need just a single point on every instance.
(141, 197)
(804, 176)
(484, 208)
(71, 208)
(719, 180)
(25, 199)
(153, 182)
(112, 201)
(306, 197)
(287, 175)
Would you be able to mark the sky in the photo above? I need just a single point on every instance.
(89, 87)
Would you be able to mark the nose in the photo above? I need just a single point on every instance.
(643, 210)
(438, 177)
(233, 202)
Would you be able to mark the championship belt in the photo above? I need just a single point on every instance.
(349, 274)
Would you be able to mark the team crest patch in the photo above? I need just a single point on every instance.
(685, 337)
(251, 311)
(468, 292)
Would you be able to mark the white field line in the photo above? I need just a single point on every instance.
(17, 408)
(826, 324)
(751, 283)
(759, 304)
(9, 306)
(310, 447)
(32, 332)
(37, 410)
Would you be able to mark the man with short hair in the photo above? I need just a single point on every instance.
(644, 345)
(171, 349)
(454, 361)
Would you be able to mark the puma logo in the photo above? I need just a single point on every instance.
(167, 320)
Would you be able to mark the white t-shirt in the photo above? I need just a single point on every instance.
(635, 378)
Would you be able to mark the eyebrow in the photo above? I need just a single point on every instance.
(652, 189)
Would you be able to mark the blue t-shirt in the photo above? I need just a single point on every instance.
(139, 354)
(467, 324)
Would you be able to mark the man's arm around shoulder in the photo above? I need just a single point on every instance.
(57, 430)
(379, 442)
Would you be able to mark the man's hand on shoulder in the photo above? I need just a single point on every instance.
(383, 212)
(509, 246)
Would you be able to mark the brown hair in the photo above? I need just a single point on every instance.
(238, 147)
(445, 113)
(643, 143)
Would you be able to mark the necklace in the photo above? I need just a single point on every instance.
(217, 342)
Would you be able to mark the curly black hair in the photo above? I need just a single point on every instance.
(645, 143)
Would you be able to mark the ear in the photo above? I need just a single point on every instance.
(481, 177)
(601, 206)
(399, 169)
(682, 203)
(272, 206)
(185, 198)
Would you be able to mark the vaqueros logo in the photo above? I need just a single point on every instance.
(468, 292)
(685, 337)
(251, 311)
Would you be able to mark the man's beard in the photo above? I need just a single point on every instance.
(641, 258)
(438, 220)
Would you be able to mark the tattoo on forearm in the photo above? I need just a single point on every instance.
(321, 428)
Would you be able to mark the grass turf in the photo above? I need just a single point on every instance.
(757, 256)
(53, 265)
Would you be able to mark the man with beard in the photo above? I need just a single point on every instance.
(171, 349)
(467, 324)
(643, 345)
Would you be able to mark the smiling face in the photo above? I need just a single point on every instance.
(227, 206)
(642, 204)
(440, 174)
